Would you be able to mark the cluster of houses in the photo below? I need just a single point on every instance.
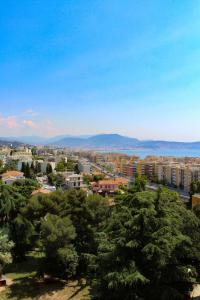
(71, 180)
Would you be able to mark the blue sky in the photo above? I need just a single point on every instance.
(100, 66)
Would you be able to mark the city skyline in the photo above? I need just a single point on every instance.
(130, 68)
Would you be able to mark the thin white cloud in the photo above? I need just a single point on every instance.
(30, 123)
(30, 112)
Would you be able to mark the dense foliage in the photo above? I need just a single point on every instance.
(69, 165)
(146, 245)
(148, 250)
(5, 248)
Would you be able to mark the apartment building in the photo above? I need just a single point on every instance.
(173, 172)
(84, 166)
(178, 175)
(128, 170)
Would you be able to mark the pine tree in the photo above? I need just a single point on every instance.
(58, 234)
(5, 248)
(23, 168)
(27, 171)
(146, 250)
(49, 169)
(32, 166)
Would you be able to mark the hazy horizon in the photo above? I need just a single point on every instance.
(88, 136)
(79, 68)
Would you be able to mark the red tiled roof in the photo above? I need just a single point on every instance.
(12, 174)
(117, 181)
(40, 191)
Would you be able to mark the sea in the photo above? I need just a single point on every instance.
(142, 153)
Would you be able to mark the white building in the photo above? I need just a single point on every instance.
(21, 161)
(84, 166)
(43, 165)
(74, 181)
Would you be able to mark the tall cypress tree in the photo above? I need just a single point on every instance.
(23, 168)
(49, 169)
(28, 171)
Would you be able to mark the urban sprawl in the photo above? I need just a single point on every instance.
(94, 172)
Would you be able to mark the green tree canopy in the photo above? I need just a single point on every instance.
(5, 250)
(49, 169)
(148, 250)
(58, 235)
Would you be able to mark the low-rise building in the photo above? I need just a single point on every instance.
(74, 181)
(108, 186)
(11, 176)
(195, 199)
(42, 191)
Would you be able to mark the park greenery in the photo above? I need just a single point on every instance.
(69, 165)
(145, 246)
(87, 178)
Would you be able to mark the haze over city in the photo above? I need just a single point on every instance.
(89, 67)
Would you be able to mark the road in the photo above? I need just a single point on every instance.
(183, 195)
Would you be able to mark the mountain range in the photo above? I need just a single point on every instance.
(100, 141)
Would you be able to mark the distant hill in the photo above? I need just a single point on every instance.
(39, 140)
(169, 145)
(100, 141)
(5, 142)
(116, 141)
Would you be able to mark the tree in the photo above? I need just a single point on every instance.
(58, 234)
(70, 165)
(61, 166)
(98, 177)
(23, 235)
(5, 248)
(23, 168)
(7, 204)
(139, 184)
(56, 179)
(99, 211)
(34, 151)
(49, 169)
(37, 167)
(10, 166)
(87, 178)
(27, 171)
(75, 206)
(13, 198)
(1, 164)
(195, 187)
(32, 166)
(149, 249)
(25, 187)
